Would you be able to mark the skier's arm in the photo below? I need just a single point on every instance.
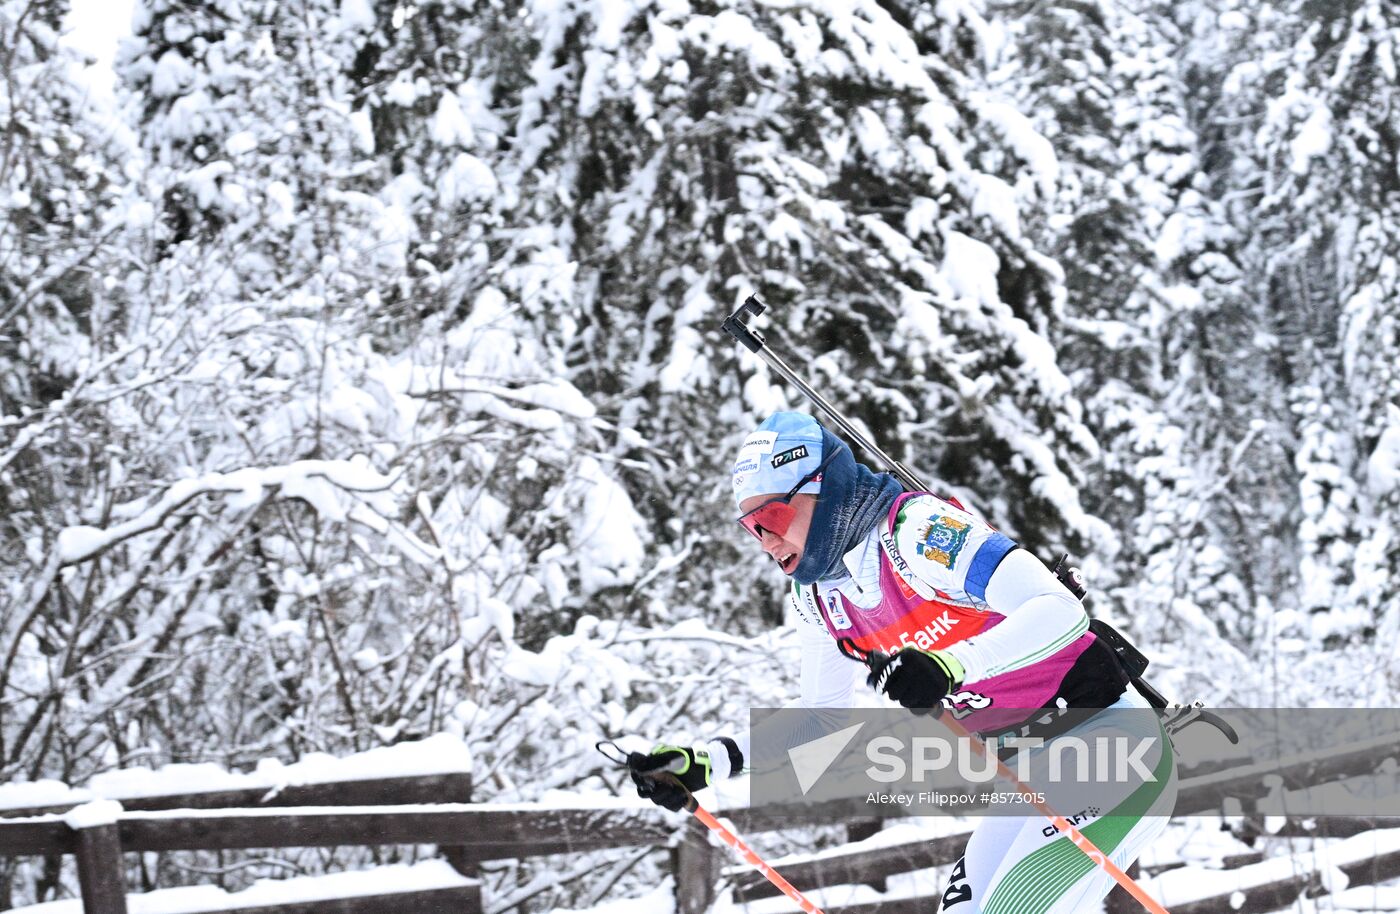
(827, 681)
(828, 677)
(956, 552)
(1042, 617)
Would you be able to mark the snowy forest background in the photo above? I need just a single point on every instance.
(361, 379)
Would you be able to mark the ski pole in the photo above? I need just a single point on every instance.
(754, 860)
(1080, 840)
(693, 807)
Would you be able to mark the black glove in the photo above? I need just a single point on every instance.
(917, 679)
(670, 774)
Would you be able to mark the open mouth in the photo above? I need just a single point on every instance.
(788, 562)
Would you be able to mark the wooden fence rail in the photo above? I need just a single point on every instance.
(376, 813)
(98, 851)
(452, 787)
(428, 901)
(1283, 892)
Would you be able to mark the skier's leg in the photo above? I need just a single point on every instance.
(1044, 873)
(1013, 867)
(1024, 866)
(1096, 884)
(986, 851)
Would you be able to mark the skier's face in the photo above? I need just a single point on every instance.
(785, 548)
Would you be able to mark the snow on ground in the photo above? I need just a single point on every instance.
(381, 880)
(1193, 883)
(661, 900)
(908, 831)
(1196, 841)
(834, 897)
(914, 884)
(1374, 898)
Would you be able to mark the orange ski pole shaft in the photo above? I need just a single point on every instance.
(615, 754)
(754, 860)
(1077, 837)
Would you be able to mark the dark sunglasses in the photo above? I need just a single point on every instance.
(775, 515)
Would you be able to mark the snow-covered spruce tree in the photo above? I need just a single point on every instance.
(644, 169)
(820, 156)
(1322, 225)
(345, 476)
(1145, 258)
(1355, 180)
(1099, 83)
(293, 526)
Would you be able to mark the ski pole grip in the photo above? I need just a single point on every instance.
(736, 325)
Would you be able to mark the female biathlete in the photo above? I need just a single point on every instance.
(970, 621)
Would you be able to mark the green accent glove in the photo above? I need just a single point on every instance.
(669, 774)
(953, 666)
(915, 678)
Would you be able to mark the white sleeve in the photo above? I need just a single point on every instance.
(1042, 618)
(828, 680)
(828, 676)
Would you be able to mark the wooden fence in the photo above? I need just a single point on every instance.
(413, 811)
(98, 850)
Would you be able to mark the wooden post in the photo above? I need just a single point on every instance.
(100, 869)
(460, 856)
(859, 830)
(696, 863)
